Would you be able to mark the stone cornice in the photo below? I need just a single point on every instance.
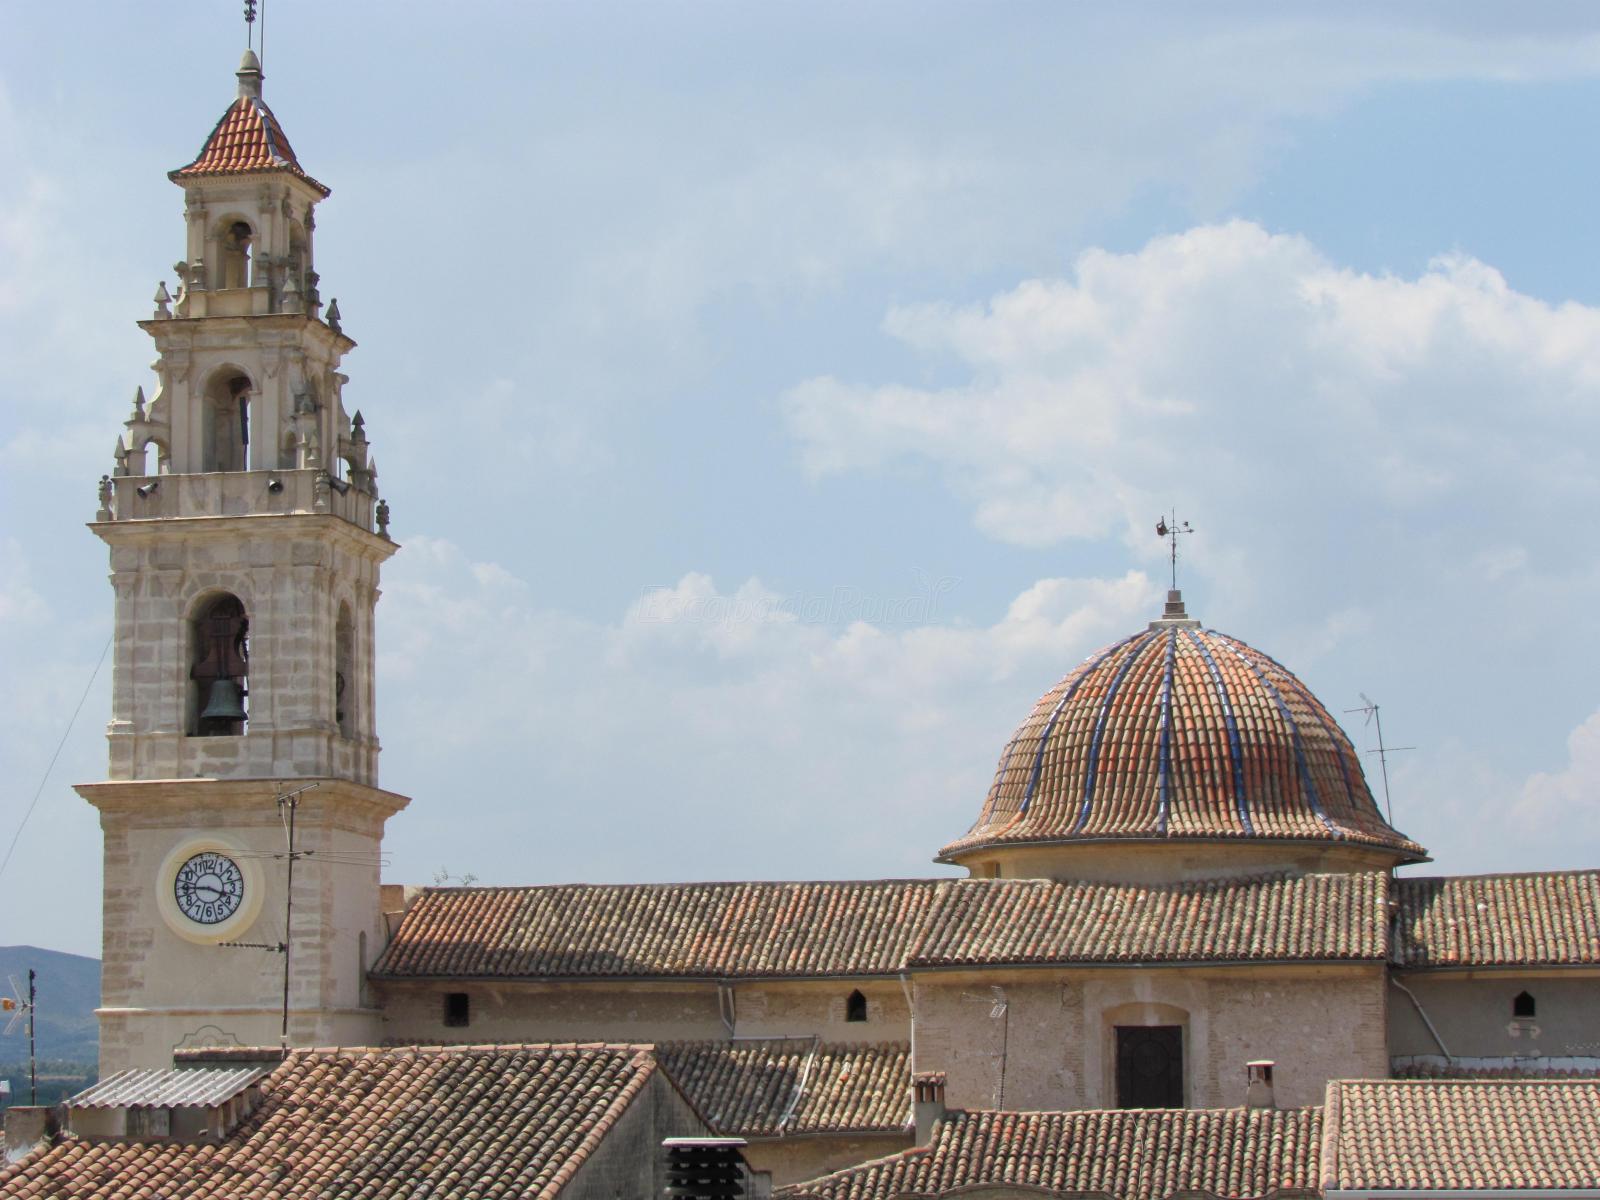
(160, 797)
(327, 526)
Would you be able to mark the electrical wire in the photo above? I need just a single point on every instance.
(66, 733)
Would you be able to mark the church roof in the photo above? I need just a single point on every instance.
(489, 1120)
(1310, 917)
(684, 930)
(1498, 920)
(1131, 1154)
(794, 1086)
(882, 927)
(248, 138)
(1492, 1136)
(1180, 732)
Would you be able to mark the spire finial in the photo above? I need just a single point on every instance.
(1174, 613)
(1170, 531)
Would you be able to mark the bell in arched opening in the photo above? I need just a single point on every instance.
(220, 669)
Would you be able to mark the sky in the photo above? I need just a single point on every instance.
(774, 400)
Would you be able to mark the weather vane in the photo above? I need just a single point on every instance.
(1170, 531)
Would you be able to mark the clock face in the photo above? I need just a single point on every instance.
(209, 888)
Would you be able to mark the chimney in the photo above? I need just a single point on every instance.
(927, 1088)
(1258, 1084)
(710, 1168)
(27, 1125)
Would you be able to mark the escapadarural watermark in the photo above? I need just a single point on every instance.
(844, 604)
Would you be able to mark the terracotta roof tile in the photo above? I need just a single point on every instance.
(508, 1120)
(1498, 920)
(1180, 733)
(1134, 1154)
(689, 930)
(1275, 918)
(788, 1086)
(1552, 1067)
(246, 140)
(1479, 1136)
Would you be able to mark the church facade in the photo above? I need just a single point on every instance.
(1185, 922)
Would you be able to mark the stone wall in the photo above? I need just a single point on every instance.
(1056, 1039)
(1472, 1012)
(642, 1012)
(629, 1161)
(793, 1160)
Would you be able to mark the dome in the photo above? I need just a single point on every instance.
(1180, 734)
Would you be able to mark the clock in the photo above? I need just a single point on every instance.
(208, 888)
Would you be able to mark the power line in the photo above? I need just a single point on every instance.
(39, 791)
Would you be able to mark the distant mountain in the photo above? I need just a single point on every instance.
(68, 989)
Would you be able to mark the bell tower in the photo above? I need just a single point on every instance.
(246, 535)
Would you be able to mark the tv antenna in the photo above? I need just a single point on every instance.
(1374, 718)
(288, 802)
(1170, 531)
(21, 1005)
(999, 1010)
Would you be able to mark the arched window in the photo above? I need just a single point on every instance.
(227, 423)
(1524, 1006)
(855, 1008)
(219, 670)
(344, 672)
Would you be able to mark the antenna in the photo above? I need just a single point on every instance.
(20, 1006)
(1170, 531)
(1374, 718)
(999, 1010)
(288, 802)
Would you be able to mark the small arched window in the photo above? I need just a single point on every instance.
(220, 667)
(855, 1008)
(1524, 1006)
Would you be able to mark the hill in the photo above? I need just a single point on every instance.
(68, 988)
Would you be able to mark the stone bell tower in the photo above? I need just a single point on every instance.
(246, 535)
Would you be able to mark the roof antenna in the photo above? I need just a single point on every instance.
(1370, 708)
(1171, 532)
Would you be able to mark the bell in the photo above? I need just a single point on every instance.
(226, 702)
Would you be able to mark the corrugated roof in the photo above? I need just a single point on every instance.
(790, 1086)
(1488, 1135)
(1549, 918)
(1180, 733)
(184, 1087)
(1132, 1154)
(1276, 918)
(695, 930)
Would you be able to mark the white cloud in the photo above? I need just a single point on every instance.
(1245, 373)
(1569, 798)
(706, 731)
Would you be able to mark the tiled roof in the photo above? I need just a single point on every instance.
(1179, 732)
(1488, 1135)
(1037, 921)
(1432, 1066)
(687, 930)
(1498, 920)
(1133, 1154)
(788, 1086)
(513, 1121)
(247, 139)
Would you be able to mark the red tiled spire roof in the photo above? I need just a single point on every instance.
(248, 138)
(1180, 732)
